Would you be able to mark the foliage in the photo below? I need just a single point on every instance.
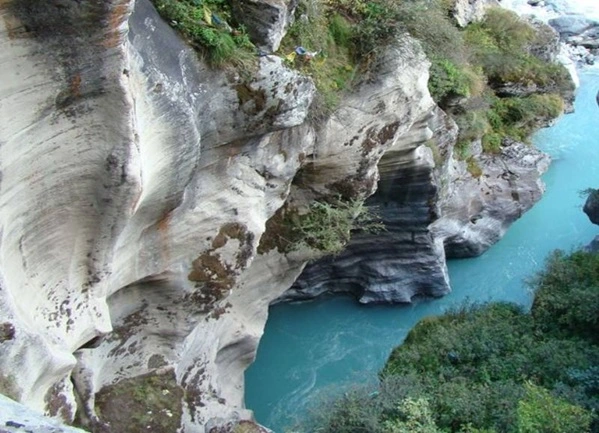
(436, 152)
(492, 142)
(195, 19)
(328, 226)
(144, 403)
(447, 80)
(473, 167)
(318, 28)
(518, 117)
(414, 416)
(567, 296)
(541, 412)
(493, 368)
(501, 46)
(473, 124)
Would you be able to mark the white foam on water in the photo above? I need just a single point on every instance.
(555, 8)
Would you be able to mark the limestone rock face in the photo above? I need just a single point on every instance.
(468, 11)
(140, 189)
(406, 260)
(15, 418)
(136, 183)
(433, 207)
(477, 210)
(266, 20)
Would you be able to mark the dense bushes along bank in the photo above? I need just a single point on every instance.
(492, 368)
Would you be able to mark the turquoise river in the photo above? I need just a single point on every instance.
(317, 349)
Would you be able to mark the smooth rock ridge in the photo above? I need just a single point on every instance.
(17, 418)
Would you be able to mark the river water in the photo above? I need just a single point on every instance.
(317, 349)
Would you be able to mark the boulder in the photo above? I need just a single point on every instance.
(572, 25)
(468, 11)
(591, 206)
(266, 20)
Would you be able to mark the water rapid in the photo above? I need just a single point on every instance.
(314, 350)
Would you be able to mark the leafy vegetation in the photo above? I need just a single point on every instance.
(325, 226)
(209, 27)
(488, 76)
(328, 226)
(467, 66)
(493, 368)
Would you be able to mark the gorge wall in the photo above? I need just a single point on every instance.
(138, 193)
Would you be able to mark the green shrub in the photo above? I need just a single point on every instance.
(519, 117)
(341, 30)
(414, 416)
(447, 80)
(319, 28)
(501, 46)
(567, 295)
(492, 143)
(328, 226)
(493, 368)
(462, 150)
(222, 43)
(541, 412)
(473, 125)
(507, 29)
(473, 167)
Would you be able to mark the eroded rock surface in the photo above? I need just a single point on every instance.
(136, 186)
(266, 20)
(477, 210)
(591, 206)
(468, 11)
(143, 193)
(406, 260)
(17, 418)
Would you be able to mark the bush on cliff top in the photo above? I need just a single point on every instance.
(208, 25)
(493, 368)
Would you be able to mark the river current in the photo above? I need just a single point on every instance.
(314, 350)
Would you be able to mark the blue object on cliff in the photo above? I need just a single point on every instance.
(300, 51)
(216, 20)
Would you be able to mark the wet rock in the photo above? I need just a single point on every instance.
(591, 206)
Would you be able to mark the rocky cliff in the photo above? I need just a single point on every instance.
(141, 193)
